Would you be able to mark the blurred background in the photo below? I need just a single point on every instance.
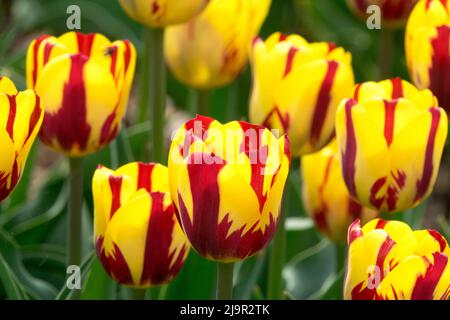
(32, 220)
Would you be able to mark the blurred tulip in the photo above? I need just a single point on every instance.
(84, 81)
(393, 12)
(227, 181)
(391, 137)
(137, 236)
(161, 13)
(389, 261)
(20, 120)
(212, 49)
(297, 87)
(325, 196)
(427, 48)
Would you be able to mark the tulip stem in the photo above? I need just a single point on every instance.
(277, 258)
(224, 280)
(75, 207)
(144, 98)
(157, 92)
(387, 38)
(202, 102)
(138, 294)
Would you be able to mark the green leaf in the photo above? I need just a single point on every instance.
(10, 282)
(65, 293)
(98, 285)
(247, 275)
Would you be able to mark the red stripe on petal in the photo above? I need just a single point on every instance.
(115, 265)
(423, 184)
(354, 231)
(426, 284)
(439, 71)
(158, 267)
(115, 184)
(36, 45)
(144, 180)
(439, 238)
(34, 118)
(397, 88)
(11, 116)
(349, 155)
(69, 124)
(323, 102)
(376, 187)
(290, 60)
(389, 120)
(85, 42)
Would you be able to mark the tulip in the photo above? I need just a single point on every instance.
(211, 50)
(161, 13)
(84, 81)
(389, 261)
(393, 12)
(297, 87)
(227, 181)
(137, 236)
(427, 48)
(325, 195)
(21, 116)
(391, 137)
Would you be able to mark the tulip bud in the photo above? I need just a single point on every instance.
(297, 87)
(84, 81)
(20, 120)
(137, 236)
(391, 137)
(325, 196)
(227, 181)
(161, 13)
(427, 48)
(393, 12)
(389, 261)
(212, 49)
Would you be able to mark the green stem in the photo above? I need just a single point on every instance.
(75, 207)
(157, 92)
(277, 258)
(138, 294)
(144, 98)
(202, 102)
(224, 281)
(233, 100)
(387, 38)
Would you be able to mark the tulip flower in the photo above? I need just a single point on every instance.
(391, 137)
(84, 81)
(21, 116)
(325, 195)
(211, 50)
(427, 50)
(137, 236)
(161, 13)
(393, 12)
(297, 87)
(227, 181)
(389, 261)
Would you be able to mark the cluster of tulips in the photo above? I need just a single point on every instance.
(366, 149)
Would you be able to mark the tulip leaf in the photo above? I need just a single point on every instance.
(65, 293)
(247, 274)
(10, 282)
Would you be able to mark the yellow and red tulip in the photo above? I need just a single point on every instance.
(391, 137)
(427, 48)
(389, 261)
(21, 116)
(84, 81)
(137, 236)
(212, 49)
(161, 13)
(393, 12)
(297, 87)
(325, 196)
(227, 181)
